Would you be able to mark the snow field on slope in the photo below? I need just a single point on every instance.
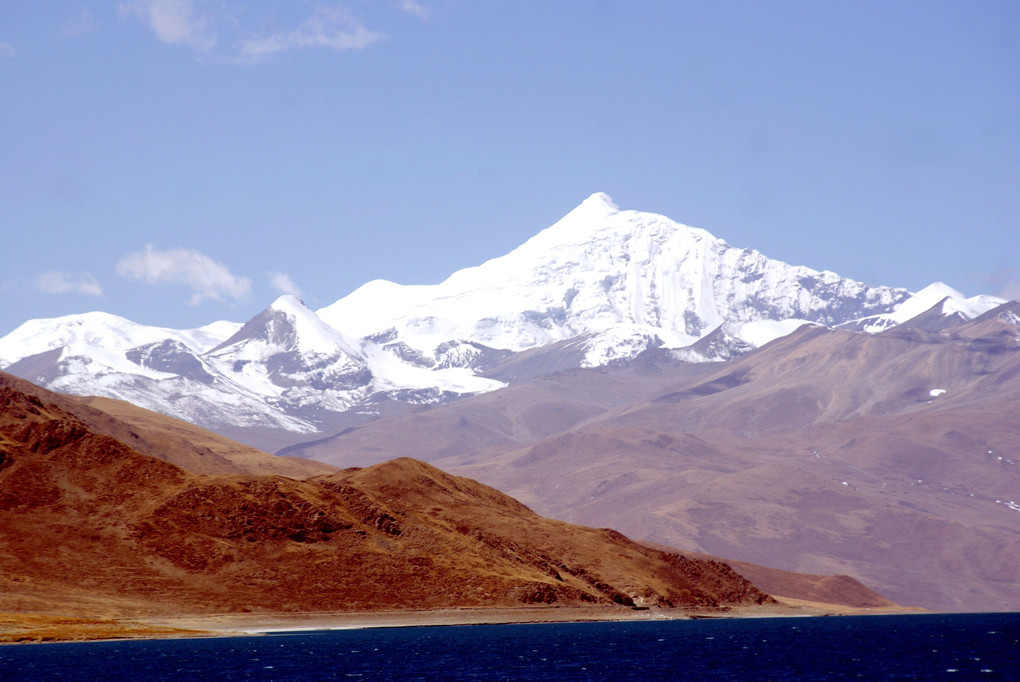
(103, 330)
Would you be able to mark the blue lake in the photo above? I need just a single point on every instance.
(918, 647)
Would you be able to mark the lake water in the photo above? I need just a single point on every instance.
(918, 647)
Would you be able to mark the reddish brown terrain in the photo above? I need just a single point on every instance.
(93, 529)
(162, 437)
(823, 452)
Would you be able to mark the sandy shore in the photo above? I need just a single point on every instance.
(18, 628)
(263, 623)
(234, 623)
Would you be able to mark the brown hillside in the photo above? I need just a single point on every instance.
(159, 436)
(824, 452)
(824, 589)
(91, 527)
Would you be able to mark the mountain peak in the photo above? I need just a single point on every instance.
(581, 225)
(588, 213)
(936, 291)
(599, 201)
(289, 303)
(599, 268)
(289, 323)
(952, 301)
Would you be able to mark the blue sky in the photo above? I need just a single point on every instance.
(182, 161)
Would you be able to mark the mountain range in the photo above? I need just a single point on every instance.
(100, 522)
(623, 370)
(599, 287)
(892, 457)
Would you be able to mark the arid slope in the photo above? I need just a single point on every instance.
(894, 458)
(93, 528)
(150, 433)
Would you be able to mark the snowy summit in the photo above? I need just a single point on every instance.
(607, 282)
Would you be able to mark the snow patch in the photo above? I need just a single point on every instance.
(390, 373)
(620, 343)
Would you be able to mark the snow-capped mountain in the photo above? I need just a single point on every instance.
(162, 369)
(629, 279)
(102, 330)
(85, 354)
(937, 300)
(600, 286)
(292, 357)
(284, 370)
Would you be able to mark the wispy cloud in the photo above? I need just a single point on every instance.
(284, 284)
(416, 8)
(230, 30)
(1010, 289)
(1004, 283)
(207, 278)
(6, 49)
(334, 28)
(175, 22)
(79, 24)
(68, 283)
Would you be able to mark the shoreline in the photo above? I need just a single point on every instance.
(42, 628)
(253, 624)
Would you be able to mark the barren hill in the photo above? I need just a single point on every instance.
(151, 433)
(92, 527)
(890, 457)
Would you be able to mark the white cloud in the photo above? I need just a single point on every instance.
(7, 50)
(334, 28)
(417, 9)
(68, 283)
(175, 22)
(218, 28)
(207, 278)
(284, 284)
